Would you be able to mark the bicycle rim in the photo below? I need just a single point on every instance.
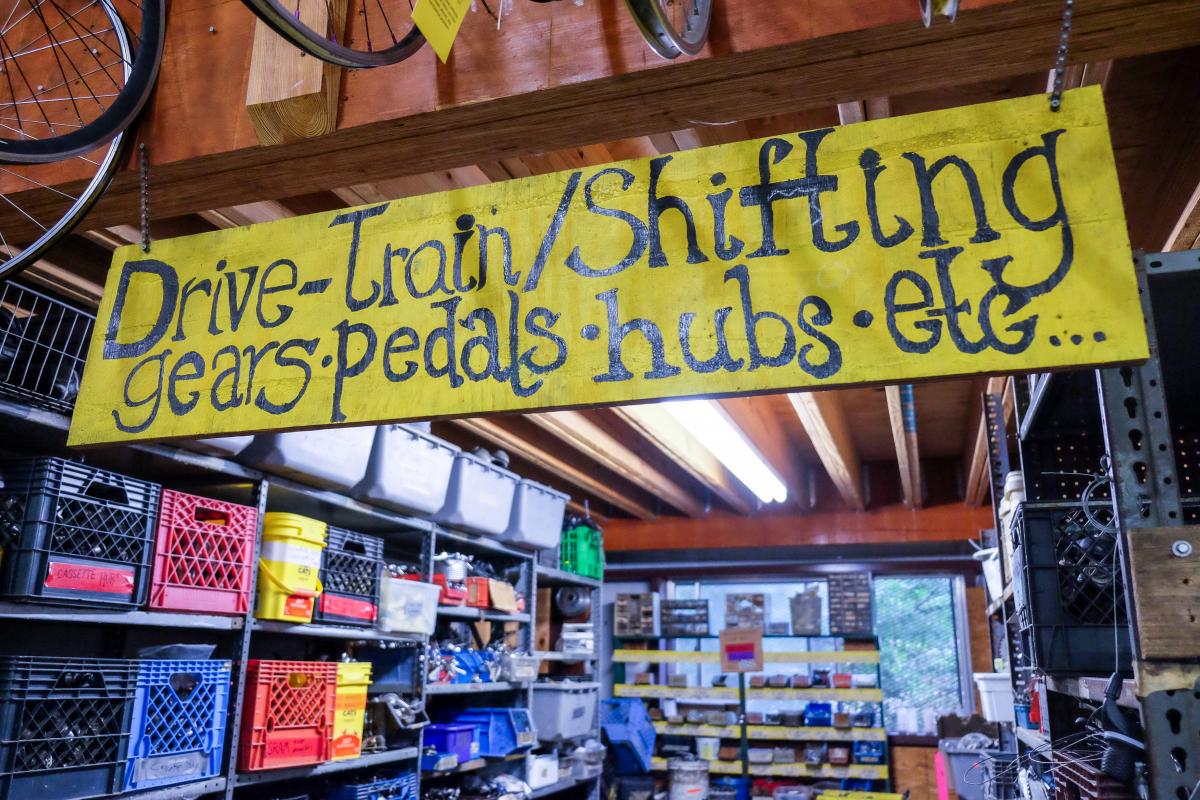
(105, 105)
(400, 38)
(672, 27)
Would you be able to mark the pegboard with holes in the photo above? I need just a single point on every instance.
(1065, 448)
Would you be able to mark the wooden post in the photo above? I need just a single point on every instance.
(291, 96)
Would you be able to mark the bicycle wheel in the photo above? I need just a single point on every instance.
(73, 74)
(379, 32)
(672, 27)
(35, 208)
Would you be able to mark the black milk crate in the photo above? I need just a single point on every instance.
(1065, 446)
(74, 534)
(1068, 589)
(350, 568)
(43, 343)
(64, 726)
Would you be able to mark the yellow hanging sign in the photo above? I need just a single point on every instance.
(985, 239)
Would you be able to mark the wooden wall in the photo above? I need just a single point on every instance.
(912, 771)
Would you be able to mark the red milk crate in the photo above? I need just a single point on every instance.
(287, 720)
(203, 555)
(477, 593)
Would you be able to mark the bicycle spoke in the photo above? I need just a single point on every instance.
(386, 22)
(49, 89)
(58, 60)
(24, 213)
(24, 79)
(39, 184)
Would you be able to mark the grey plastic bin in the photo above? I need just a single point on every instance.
(480, 495)
(537, 516)
(409, 470)
(565, 710)
(331, 458)
(966, 768)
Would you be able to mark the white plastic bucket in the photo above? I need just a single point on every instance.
(996, 696)
(989, 559)
(408, 470)
(331, 458)
(480, 495)
(688, 778)
(407, 606)
(537, 516)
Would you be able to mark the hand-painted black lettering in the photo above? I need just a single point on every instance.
(931, 230)
(871, 167)
(931, 326)
(751, 319)
(265, 288)
(194, 363)
(154, 398)
(506, 263)
(488, 343)
(389, 286)
(617, 333)
(538, 323)
(394, 345)
(439, 278)
(345, 367)
(466, 229)
(637, 228)
(168, 283)
(254, 355)
(282, 359)
(815, 184)
(356, 219)
(237, 306)
(1025, 328)
(823, 315)
(552, 231)
(719, 360)
(231, 375)
(656, 205)
(951, 309)
(218, 285)
(727, 247)
(190, 287)
(446, 336)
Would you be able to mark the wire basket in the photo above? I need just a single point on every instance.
(43, 343)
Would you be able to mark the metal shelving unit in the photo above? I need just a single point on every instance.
(387, 757)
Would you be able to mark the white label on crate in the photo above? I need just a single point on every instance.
(183, 765)
(287, 553)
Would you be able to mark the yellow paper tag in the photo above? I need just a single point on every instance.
(439, 21)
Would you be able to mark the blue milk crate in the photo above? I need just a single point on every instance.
(40, 698)
(499, 731)
(396, 787)
(178, 723)
(868, 752)
(818, 715)
(630, 733)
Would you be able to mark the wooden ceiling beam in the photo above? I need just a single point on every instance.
(592, 441)
(904, 436)
(824, 420)
(658, 427)
(495, 431)
(389, 128)
(757, 420)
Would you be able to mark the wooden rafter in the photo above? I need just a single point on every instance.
(824, 420)
(904, 435)
(759, 423)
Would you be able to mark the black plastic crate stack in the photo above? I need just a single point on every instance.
(64, 726)
(684, 617)
(43, 342)
(1067, 444)
(74, 534)
(351, 565)
(1068, 592)
(850, 603)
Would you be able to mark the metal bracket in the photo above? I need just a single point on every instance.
(1171, 718)
(997, 444)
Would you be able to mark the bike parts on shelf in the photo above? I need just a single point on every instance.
(672, 27)
(378, 32)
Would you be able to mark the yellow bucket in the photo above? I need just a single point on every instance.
(288, 567)
(353, 678)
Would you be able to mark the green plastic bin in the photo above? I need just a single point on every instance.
(582, 551)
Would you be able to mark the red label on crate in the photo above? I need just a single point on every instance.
(350, 607)
(298, 606)
(347, 746)
(90, 578)
(740, 651)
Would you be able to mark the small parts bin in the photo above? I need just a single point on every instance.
(452, 739)
(499, 731)
(39, 698)
(178, 733)
(288, 567)
(75, 534)
(350, 706)
(407, 606)
(541, 770)
(630, 734)
(408, 470)
(868, 752)
(203, 555)
(288, 717)
(480, 496)
(350, 567)
(565, 710)
(537, 516)
(331, 458)
(818, 715)
(402, 786)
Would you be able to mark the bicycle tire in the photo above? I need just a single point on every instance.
(662, 35)
(139, 83)
(283, 21)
